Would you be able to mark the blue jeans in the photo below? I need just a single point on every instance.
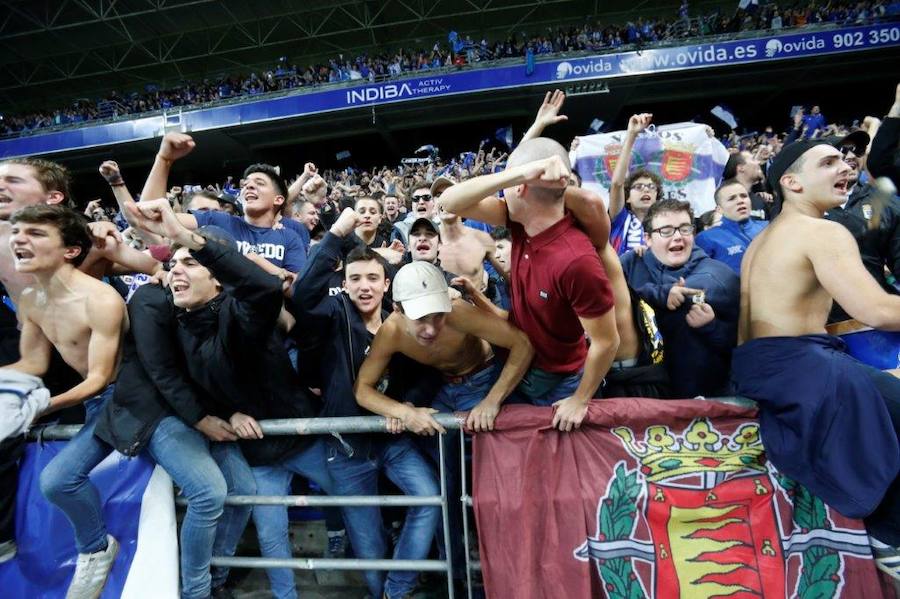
(465, 395)
(185, 455)
(564, 385)
(407, 468)
(272, 521)
(457, 397)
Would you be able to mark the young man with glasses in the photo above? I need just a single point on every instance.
(422, 206)
(630, 196)
(696, 300)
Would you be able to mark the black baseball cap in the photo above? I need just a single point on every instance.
(227, 198)
(788, 156)
(859, 138)
(424, 222)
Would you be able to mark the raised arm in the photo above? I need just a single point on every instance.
(547, 114)
(617, 191)
(499, 332)
(109, 170)
(475, 197)
(174, 146)
(417, 420)
(883, 160)
(309, 169)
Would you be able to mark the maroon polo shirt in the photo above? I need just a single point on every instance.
(556, 278)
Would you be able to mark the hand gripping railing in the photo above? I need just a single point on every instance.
(345, 425)
(324, 426)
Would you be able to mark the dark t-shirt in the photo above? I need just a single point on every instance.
(282, 247)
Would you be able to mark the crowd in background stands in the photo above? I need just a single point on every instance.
(344, 186)
(594, 37)
(284, 332)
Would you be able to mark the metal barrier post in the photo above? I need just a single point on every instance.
(464, 500)
(445, 514)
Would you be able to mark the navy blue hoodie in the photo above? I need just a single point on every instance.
(698, 360)
(333, 324)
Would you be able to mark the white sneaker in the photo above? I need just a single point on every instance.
(92, 570)
(7, 551)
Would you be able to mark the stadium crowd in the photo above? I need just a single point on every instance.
(185, 318)
(590, 37)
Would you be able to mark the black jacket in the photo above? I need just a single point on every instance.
(884, 157)
(235, 354)
(880, 246)
(332, 324)
(152, 381)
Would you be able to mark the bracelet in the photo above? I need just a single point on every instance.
(116, 181)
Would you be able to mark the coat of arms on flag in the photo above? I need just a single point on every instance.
(657, 499)
(688, 161)
(717, 522)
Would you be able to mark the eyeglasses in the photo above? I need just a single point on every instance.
(847, 148)
(644, 186)
(422, 198)
(669, 230)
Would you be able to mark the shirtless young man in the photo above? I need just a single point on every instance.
(464, 249)
(84, 320)
(64, 308)
(453, 337)
(811, 394)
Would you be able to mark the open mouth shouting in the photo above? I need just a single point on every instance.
(842, 186)
(22, 256)
(179, 287)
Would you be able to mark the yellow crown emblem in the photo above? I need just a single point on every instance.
(701, 448)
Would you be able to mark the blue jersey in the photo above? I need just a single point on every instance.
(626, 232)
(282, 247)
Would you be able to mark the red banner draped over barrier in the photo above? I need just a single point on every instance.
(657, 499)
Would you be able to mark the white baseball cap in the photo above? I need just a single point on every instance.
(421, 289)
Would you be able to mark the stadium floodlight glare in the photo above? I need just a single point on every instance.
(585, 88)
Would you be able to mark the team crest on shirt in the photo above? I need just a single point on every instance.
(544, 295)
(867, 211)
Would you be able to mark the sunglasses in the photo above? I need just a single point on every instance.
(847, 148)
(421, 198)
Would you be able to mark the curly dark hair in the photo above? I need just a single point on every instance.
(641, 172)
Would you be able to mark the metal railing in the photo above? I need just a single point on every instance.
(350, 425)
(345, 425)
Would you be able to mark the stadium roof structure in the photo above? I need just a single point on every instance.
(53, 50)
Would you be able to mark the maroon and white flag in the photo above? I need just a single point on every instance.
(659, 499)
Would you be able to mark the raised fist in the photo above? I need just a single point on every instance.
(175, 146)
